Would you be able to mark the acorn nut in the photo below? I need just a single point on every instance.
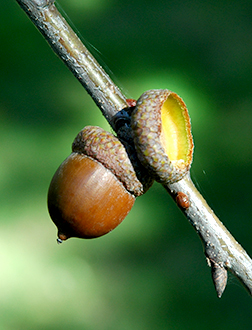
(94, 189)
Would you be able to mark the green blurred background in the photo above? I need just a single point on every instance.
(149, 273)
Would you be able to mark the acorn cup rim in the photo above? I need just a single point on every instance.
(150, 134)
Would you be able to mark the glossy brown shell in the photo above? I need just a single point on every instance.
(85, 199)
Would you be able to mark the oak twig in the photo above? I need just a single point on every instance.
(75, 55)
(221, 249)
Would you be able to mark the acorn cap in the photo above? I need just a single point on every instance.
(109, 151)
(162, 135)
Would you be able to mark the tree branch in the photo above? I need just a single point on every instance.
(223, 252)
(75, 55)
(221, 249)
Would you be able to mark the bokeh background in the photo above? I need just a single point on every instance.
(149, 273)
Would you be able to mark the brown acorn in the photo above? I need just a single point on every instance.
(95, 187)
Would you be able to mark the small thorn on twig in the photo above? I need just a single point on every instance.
(219, 276)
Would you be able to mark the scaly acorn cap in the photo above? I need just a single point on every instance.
(107, 149)
(162, 135)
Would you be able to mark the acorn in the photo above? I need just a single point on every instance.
(94, 189)
(162, 135)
